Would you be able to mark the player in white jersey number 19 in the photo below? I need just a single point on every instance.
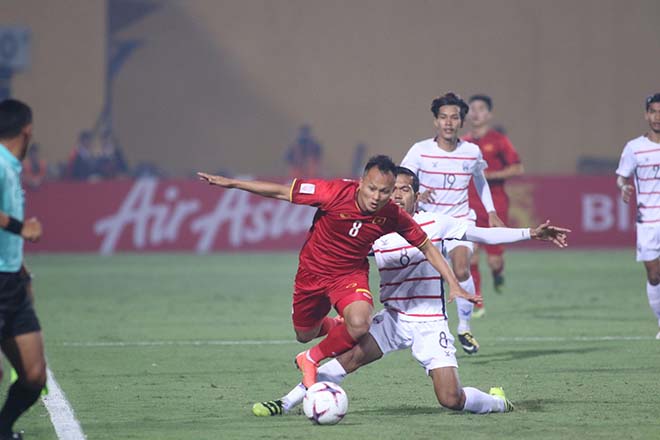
(445, 165)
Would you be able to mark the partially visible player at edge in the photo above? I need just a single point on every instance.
(20, 333)
(641, 158)
(333, 269)
(414, 315)
(503, 163)
(445, 165)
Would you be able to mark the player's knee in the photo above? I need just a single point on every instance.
(35, 375)
(451, 400)
(358, 326)
(462, 273)
(304, 337)
(653, 278)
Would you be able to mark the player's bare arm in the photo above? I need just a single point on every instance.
(507, 172)
(439, 263)
(623, 183)
(30, 229)
(265, 189)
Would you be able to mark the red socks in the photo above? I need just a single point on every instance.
(337, 342)
(328, 324)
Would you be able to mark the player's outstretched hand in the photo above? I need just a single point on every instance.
(31, 230)
(459, 292)
(427, 196)
(214, 180)
(548, 232)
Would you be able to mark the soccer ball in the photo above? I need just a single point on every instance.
(325, 403)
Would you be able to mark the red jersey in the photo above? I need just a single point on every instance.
(498, 152)
(341, 235)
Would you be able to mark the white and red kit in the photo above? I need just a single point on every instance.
(409, 285)
(641, 160)
(448, 174)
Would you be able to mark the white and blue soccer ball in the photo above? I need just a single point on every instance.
(325, 403)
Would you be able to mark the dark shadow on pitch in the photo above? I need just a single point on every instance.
(513, 355)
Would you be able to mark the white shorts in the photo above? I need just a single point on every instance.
(648, 242)
(431, 341)
(450, 245)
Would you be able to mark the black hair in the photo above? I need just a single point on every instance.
(384, 164)
(408, 172)
(14, 117)
(651, 99)
(449, 98)
(485, 98)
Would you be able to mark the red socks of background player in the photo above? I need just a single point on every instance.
(337, 342)
(476, 277)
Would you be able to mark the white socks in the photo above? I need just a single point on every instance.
(329, 372)
(478, 402)
(653, 293)
(464, 307)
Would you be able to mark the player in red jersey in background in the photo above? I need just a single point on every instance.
(333, 269)
(503, 163)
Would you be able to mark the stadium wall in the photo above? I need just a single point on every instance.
(184, 215)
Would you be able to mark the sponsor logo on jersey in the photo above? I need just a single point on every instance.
(307, 188)
(466, 166)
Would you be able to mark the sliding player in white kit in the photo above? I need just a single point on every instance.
(445, 165)
(641, 157)
(414, 315)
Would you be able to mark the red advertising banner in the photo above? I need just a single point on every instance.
(151, 215)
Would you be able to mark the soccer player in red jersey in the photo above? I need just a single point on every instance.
(503, 163)
(333, 269)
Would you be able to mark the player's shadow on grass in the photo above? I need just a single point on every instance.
(513, 355)
(533, 405)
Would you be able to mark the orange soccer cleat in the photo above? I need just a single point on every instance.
(308, 368)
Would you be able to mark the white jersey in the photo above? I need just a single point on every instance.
(641, 156)
(448, 173)
(409, 285)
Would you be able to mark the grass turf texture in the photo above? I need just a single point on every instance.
(179, 375)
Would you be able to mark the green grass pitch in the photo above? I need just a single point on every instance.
(180, 346)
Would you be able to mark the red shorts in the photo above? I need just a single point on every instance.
(501, 203)
(315, 295)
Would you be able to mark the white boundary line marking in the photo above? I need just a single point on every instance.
(285, 342)
(62, 417)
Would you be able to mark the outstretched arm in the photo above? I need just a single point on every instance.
(439, 263)
(266, 189)
(543, 232)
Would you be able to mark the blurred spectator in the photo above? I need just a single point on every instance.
(304, 156)
(82, 163)
(34, 167)
(359, 159)
(110, 163)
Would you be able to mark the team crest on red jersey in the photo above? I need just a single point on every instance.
(379, 220)
(342, 215)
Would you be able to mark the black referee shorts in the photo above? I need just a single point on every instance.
(17, 316)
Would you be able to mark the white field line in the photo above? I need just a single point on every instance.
(62, 417)
(285, 342)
